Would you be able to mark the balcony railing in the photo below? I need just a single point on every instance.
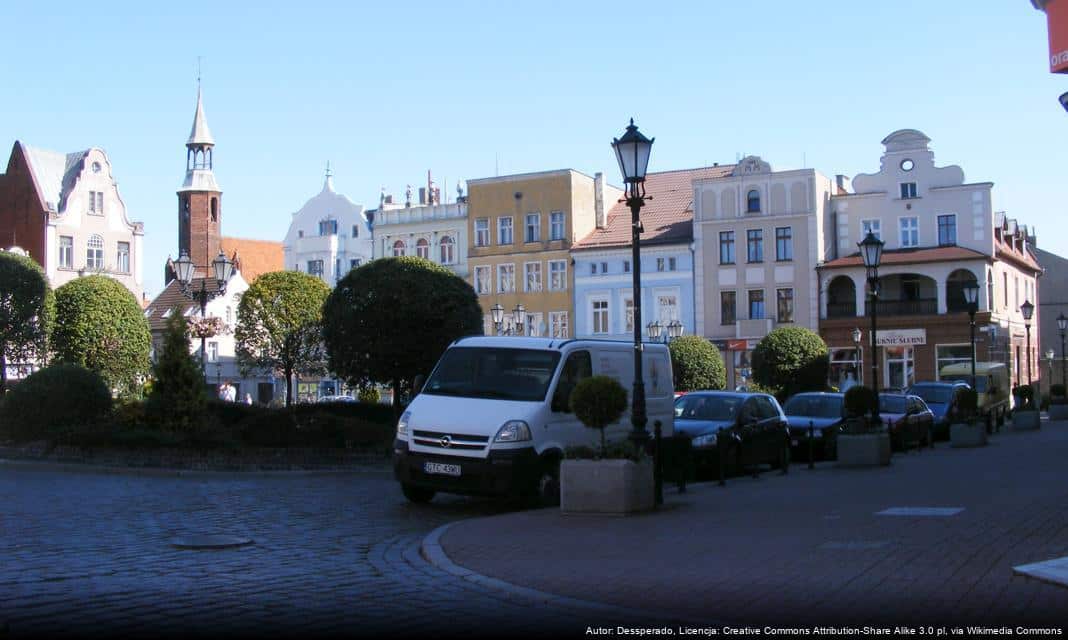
(928, 306)
(841, 309)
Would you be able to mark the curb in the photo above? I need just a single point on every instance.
(46, 465)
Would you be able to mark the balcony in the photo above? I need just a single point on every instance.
(919, 307)
(841, 309)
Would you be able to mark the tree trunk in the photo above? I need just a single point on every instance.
(3, 370)
(396, 398)
(289, 386)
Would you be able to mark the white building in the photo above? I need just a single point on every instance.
(427, 229)
(328, 237)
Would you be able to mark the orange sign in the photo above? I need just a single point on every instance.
(1057, 22)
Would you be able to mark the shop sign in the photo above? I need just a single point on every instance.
(901, 337)
(737, 345)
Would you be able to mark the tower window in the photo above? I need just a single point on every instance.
(214, 209)
(753, 201)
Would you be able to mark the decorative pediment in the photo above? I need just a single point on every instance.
(750, 165)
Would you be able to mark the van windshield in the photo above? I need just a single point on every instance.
(493, 372)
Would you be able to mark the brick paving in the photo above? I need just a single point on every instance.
(807, 548)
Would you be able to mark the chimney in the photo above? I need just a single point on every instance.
(844, 184)
(598, 199)
(422, 195)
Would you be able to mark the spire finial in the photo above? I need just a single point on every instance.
(328, 184)
(328, 174)
(198, 75)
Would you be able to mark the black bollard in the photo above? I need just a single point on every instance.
(811, 436)
(658, 462)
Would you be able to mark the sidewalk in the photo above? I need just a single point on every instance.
(809, 548)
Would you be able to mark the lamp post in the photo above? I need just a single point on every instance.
(857, 335)
(1062, 324)
(654, 329)
(675, 329)
(1028, 310)
(222, 269)
(971, 296)
(518, 315)
(632, 152)
(871, 250)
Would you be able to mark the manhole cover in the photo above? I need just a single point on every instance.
(936, 512)
(209, 542)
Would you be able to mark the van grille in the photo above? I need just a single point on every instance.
(445, 440)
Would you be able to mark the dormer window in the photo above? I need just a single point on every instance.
(752, 201)
(328, 227)
(96, 202)
(908, 190)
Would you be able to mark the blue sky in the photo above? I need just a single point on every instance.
(387, 90)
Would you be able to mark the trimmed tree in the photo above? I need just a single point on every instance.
(58, 401)
(392, 318)
(27, 311)
(100, 325)
(279, 325)
(597, 402)
(177, 399)
(696, 364)
(791, 360)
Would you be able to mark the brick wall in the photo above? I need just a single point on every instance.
(22, 217)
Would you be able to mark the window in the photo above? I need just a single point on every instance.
(213, 352)
(337, 269)
(355, 231)
(482, 232)
(315, 267)
(785, 303)
(947, 229)
(756, 304)
(556, 225)
(96, 203)
(599, 308)
(672, 264)
(784, 244)
(908, 190)
(628, 315)
(300, 233)
(505, 278)
(557, 275)
(604, 267)
(482, 280)
(593, 268)
(504, 231)
(989, 291)
(910, 232)
(1005, 288)
(353, 263)
(533, 231)
(754, 245)
(533, 326)
(726, 247)
(667, 307)
(558, 324)
(1016, 291)
(874, 227)
(752, 200)
(727, 306)
(94, 253)
(122, 260)
(422, 248)
(66, 251)
(328, 227)
(447, 248)
(660, 264)
(951, 354)
(533, 276)
(847, 367)
(626, 266)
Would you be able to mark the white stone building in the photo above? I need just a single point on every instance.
(427, 229)
(329, 236)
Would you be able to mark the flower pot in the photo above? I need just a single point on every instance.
(1058, 411)
(966, 434)
(1026, 420)
(610, 487)
(863, 450)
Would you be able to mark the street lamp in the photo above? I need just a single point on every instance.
(497, 313)
(184, 269)
(857, 335)
(675, 329)
(632, 152)
(971, 296)
(518, 315)
(1028, 310)
(654, 329)
(871, 250)
(1062, 324)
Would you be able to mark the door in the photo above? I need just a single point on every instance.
(898, 368)
(563, 428)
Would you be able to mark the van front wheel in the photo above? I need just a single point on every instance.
(548, 486)
(418, 495)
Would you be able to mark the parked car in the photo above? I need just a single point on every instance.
(337, 399)
(944, 401)
(824, 413)
(992, 385)
(751, 428)
(907, 418)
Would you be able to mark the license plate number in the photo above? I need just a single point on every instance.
(441, 469)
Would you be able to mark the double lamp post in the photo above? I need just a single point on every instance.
(184, 269)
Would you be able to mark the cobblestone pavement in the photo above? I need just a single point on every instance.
(84, 553)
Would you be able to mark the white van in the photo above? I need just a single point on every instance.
(493, 417)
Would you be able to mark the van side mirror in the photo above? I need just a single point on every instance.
(417, 384)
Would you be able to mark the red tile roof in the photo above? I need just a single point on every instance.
(910, 256)
(253, 257)
(667, 218)
(1025, 260)
(172, 299)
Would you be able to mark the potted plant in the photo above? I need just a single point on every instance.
(863, 441)
(1026, 417)
(609, 480)
(965, 429)
(1058, 403)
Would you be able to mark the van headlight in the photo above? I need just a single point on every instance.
(707, 440)
(513, 431)
(402, 424)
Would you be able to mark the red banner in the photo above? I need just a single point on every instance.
(1057, 23)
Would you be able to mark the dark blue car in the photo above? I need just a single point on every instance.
(821, 414)
(747, 429)
(943, 399)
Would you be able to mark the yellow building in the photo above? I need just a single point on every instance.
(520, 231)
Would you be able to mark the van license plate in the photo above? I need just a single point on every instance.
(442, 469)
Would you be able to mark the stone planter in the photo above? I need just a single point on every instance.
(967, 434)
(1026, 420)
(863, 450)
(609, 487)
(1058, 411)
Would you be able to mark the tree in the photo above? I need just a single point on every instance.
(791, 360)
(27, 312)
(696, 364)
(279, 325)
(100, 325)
(391, 319)
(177, 399)
(597, 402)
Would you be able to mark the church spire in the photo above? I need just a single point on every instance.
(200, 135)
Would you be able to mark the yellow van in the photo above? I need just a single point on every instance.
(991, 384)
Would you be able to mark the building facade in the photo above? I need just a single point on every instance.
(604, 290)
(1052, 302)
(427, 228)
(65, 210)
(758, 236)
(940, 234)
(329, 236)
(520, 231)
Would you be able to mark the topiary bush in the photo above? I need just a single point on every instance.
(792, 360)
(969, 403)
(1025, 396)
(369, 395)
(177, 401)
(55, 403)
(696, 364)
(1056, 390)
(597, 402)
(859, 401)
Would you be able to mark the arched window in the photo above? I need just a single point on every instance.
(214, 209)
(398, 248)
(989, 290)
(94, 252)
(447, 247)
(422, 248)
(955, 289)
(752, 201)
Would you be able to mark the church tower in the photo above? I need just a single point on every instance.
(199, 199)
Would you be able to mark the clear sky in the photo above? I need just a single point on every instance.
(387, 90)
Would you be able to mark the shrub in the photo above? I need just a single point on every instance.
(55, 403)
(792, 360)
(1056, 390)
(696, 364)
(177, 399)
(1025, 396)
(859, 401)
(969, 403)
(369, 395)
(597, 402)
(26, 312)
